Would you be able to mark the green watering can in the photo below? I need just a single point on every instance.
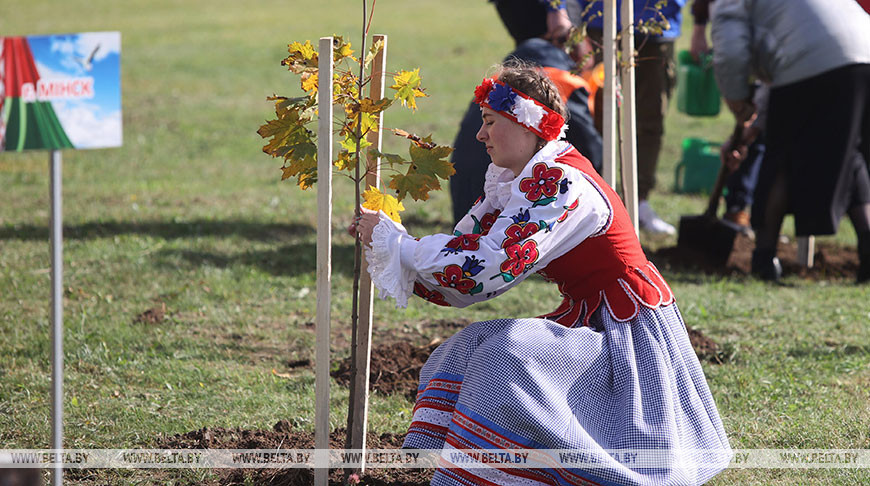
(697, 171)
(697, 93)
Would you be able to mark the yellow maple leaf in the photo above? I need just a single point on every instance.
(301, 58)
(296, 166)
(341, 50)
(408, 87)
(378, 201)
(309, 82)
(373, 51)
(306, 180)
(368, 105)
(344, 161)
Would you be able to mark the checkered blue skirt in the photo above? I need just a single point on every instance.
(535, 384)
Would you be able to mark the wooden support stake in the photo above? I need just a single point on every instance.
(628, 142)
(324, 261)
(360, 399)
(806, 249)
(609, 111)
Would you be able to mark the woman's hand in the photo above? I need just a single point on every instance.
(365, 225)
(734, 152)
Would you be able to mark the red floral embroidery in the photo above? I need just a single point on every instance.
(464, 242)
(432, 296)
(551, 125)
(481, 93)
(516, 233)
(543, 183)
(519, 257)
(488, 220)
(454, 277)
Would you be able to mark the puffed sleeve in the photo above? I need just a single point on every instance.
(551, 209)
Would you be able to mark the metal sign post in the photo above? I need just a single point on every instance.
(56, 224)
(42, 111)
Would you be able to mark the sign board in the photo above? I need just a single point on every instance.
(60, 91)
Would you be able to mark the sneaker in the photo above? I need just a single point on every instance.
(650, 221)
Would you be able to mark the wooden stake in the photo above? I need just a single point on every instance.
(366, 290)
(609, 112)
(628, 142)
(324, 260)
(806, 249)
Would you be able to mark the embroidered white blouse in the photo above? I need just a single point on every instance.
(522, 223)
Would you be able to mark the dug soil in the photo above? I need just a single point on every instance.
(396, 364)
(831, 261)
(395, 369)
(283, 436)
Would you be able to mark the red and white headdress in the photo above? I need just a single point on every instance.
(521, 108)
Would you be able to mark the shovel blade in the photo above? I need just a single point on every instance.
(708, 235)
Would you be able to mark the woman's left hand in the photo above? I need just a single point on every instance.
(365, 225)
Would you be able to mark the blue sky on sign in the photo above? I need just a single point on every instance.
(89, 122)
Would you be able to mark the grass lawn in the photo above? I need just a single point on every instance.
(191, 215)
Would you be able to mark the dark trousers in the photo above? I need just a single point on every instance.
(741, 183)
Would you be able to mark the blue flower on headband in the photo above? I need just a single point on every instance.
(502, 97)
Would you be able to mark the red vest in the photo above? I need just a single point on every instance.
(608, 268)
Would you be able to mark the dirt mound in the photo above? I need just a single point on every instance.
(706, 348)
(282, 436)
(395, 368)
(154, 315)
(832, 261)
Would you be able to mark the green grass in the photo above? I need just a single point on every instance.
(189, 213)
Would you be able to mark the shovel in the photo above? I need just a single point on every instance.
(706, 233)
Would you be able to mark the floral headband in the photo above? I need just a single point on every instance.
(521, 108)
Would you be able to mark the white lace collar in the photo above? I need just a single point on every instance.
(497, 185)
(499, 180)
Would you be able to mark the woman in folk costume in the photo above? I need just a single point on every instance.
(610, 369)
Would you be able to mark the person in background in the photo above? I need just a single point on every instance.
(743, 159)
(539, 31)
(816, 56)
(743, 156)
(527, 19)
(611, 368)
(655, 77)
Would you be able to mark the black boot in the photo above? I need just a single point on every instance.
(863, 257)
(765, 264)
